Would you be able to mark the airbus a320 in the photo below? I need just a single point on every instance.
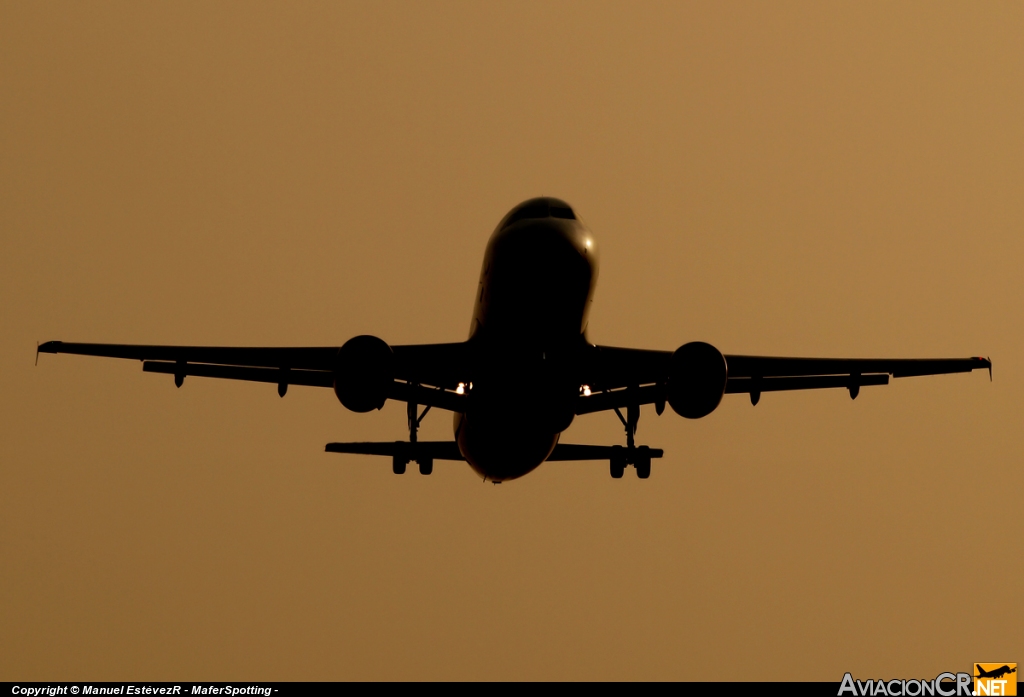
(527, 369)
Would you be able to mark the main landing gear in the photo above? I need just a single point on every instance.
(401, 459)
(638, 456)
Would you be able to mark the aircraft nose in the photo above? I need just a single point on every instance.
(549, 237)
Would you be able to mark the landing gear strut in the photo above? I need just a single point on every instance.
(639, 457)
(426, 464)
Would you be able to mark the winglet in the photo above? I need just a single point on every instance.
(37, 353)
(986, 363)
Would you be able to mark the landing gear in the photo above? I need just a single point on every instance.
(639, 457)
(642, 462)
(630, 423)
(399, 462)
(618, 462)
(414, 418)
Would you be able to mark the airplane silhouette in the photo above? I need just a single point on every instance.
(527, 369)
(996, 673)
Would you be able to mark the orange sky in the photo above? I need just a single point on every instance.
(789, 179)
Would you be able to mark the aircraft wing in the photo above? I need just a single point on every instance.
(428, 374)
(619, 377)
(756, 374)
(424, 373)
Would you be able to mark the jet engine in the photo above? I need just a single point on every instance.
(697, 377)
(364, 372)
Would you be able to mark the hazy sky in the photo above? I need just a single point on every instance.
(774, 178)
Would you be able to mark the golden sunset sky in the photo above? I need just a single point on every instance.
(823, 179)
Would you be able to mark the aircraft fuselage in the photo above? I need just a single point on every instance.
(527, 332)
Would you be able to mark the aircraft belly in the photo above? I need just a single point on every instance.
(499, 452)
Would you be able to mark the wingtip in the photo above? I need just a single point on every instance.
(48, 347)
(986, 362)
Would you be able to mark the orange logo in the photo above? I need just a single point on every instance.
(995, 679)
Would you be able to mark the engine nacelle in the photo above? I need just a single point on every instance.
(697, 377)
(364, 373)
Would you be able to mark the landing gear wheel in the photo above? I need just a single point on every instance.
(426, 465)
(617, 463)
(398, 464)
(643, 462)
